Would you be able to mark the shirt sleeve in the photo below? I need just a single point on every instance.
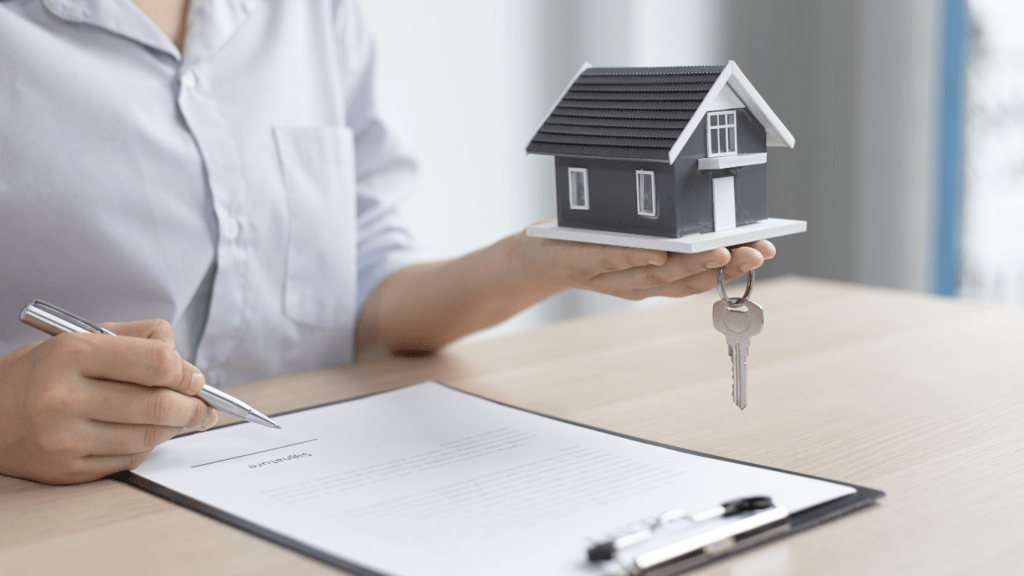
(385, 167)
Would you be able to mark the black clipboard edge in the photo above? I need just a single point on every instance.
(796, 523)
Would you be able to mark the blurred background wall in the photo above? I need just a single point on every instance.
(870, 88)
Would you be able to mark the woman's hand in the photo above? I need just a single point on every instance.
(77, 407)
(422, 307)
(633, 273)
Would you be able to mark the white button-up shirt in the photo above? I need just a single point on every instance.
(245, 190)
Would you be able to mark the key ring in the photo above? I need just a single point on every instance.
(735, 302)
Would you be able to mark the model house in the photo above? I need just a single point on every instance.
(665, 152)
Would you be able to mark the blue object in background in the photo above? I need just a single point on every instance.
(952, 92)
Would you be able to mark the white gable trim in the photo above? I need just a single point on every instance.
(699, 113)
(778, 134)
(727, 100)
(557, 102)
(732, 77)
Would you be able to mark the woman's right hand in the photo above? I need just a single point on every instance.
(77, 407)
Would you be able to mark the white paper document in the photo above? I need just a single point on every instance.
(427, 480)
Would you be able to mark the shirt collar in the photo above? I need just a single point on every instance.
(211, 23)
(121, 17)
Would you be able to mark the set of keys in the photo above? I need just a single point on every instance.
(739, 319)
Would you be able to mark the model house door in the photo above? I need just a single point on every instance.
(724, 191)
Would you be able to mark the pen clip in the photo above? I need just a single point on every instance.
(53, 319)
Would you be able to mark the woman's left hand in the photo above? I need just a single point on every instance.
(422, 307)
(634, 273)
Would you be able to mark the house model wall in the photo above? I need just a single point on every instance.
(661, 152)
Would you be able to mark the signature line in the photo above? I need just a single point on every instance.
(252, 453)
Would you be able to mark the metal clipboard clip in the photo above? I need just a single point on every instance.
(650, 552)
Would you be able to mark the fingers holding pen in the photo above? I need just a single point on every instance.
(120, 403)
(146, 362)
(131, 380)
(162, 365)
(79, 406)
(154, 329)
(166, 381)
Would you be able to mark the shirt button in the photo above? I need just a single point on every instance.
(188, 79)
(230, 229)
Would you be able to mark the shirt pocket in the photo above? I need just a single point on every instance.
(319, 170)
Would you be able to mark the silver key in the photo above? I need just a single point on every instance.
(739, 326)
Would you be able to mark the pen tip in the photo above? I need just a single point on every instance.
(258, 417)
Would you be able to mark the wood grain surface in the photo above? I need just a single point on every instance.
(919, 396)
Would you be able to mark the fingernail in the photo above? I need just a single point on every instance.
(711, 264)
(652, 262)
(211, 418)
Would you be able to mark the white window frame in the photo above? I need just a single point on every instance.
(720, 131)
(639, 195)
(572, 189)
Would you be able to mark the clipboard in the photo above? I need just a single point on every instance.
(677, 550)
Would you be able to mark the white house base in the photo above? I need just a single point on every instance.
(689, 244)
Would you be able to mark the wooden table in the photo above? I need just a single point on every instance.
(919, 396)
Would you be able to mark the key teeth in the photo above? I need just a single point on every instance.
(735, 396)
(740, 402)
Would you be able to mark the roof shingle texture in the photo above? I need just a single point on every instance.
(626, 113)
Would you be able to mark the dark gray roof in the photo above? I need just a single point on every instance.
(633, 113)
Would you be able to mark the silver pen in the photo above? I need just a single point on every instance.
(54, 320)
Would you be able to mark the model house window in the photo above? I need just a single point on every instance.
(721, 133)
(646, 204)
(579, 198)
